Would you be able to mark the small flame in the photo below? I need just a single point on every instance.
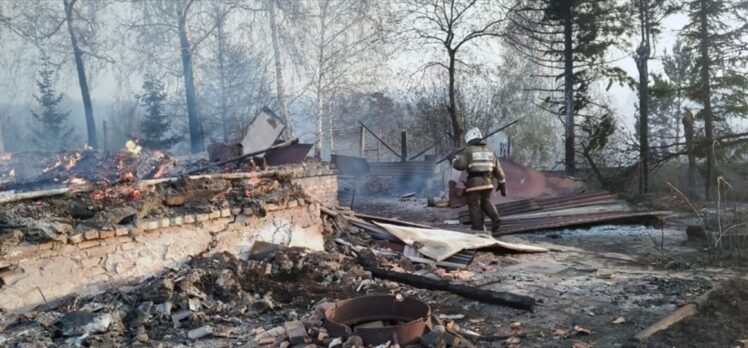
(6, 156)
(66, 161)
(99, 195)
(132, 147)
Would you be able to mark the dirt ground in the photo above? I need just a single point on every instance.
(598, 286)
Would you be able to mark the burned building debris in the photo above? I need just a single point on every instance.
(141, 248)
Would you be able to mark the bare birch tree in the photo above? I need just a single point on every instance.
(163, 22)
(451, 25)
(343, 38)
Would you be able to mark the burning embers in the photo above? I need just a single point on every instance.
(66, 161)
(88, 167)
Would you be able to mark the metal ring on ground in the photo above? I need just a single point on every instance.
(410, 315)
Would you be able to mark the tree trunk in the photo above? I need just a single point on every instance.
(707, 91)
(569, 89)
(688, 132)
(320, 114)
(222, 80)
(454, 113)
(82, 81)
(196, 136)
(279, 85)
(320, 79)
(331, 122)
(642, 60)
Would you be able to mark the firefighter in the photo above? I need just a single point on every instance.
(484, 174)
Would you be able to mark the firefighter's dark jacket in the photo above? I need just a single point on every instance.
(481, 164)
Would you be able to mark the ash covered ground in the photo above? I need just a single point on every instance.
(596, 287)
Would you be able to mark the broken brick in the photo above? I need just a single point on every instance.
(103, 234)
(189, 219)
(91, 234)
(75, 238)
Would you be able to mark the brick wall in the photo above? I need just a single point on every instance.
(96, 260)
(107, 258)
(319, 182)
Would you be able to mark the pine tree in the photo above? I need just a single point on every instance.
(570, 38)
(156, 124)
(52, 132)
(715, 32)
(668, 97)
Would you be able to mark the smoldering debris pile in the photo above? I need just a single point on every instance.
(87, 166)
(127, 203)
(219, 295)
(280, 296)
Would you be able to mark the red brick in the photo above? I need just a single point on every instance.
(121, 231)
(177, 221)
(45, 246)
(89, 244)
(100, 251)
(75, 238)
(136, 230)
(103, 234)
(189, 219)
(91, 234)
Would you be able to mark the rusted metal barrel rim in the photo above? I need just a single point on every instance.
(340, 321)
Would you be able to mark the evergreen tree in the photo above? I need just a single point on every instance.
(570, 38)
(52, 132)
(668, 97)
(156, 124)
(716, 32)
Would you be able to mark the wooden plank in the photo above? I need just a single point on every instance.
(675, 317)
(486, 296)
(35, 194)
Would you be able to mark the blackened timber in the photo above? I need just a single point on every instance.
(245, 156)
(403, 146)
(501, 298)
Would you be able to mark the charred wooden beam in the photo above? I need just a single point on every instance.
(486, 296)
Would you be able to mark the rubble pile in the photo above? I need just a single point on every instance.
(126, 203)
(275, 298)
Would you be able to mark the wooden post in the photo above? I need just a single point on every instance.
(379, 147)
(403, 146)
(508, 147)
(362, 143)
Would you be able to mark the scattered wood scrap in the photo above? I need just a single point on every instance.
(684, 312)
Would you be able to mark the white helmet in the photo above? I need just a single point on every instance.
(472, 134)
